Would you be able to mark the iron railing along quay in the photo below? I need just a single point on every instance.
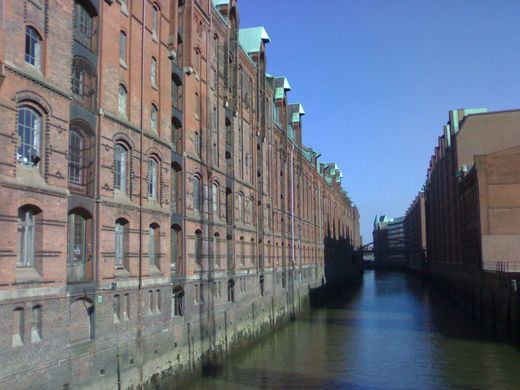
(501, 266)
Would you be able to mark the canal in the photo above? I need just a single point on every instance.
(390, 333)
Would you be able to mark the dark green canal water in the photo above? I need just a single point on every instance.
(391, 333)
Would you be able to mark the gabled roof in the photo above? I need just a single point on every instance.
(281, 86)
(251, 38)
(296, 111)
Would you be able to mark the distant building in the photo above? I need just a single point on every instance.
(415, 233)
(389, 239)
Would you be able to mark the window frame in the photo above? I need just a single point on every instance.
(76, 166)
(28, 152)
(122, 101)
(153, 178)
(33, 47)
(154, 119)
(121, 169)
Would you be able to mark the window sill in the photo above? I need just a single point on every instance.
(154, 87)
(123, 64)
(27, 275)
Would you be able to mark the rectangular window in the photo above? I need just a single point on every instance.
(84, 31)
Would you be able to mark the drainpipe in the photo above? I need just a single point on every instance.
(292, 224)
(141, 142)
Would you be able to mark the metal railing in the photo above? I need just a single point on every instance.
(501, 266)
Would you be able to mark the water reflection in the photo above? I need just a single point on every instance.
(392, 333)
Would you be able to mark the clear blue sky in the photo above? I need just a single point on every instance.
(377, 79)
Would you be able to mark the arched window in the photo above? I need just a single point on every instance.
(155, 17)
(240, 208)
(84, 83)
(153, 72)
(197, 142)
(18, 327)
(176, 189)
(121, 242)
(29, 135)
(121, 164)
(197, 194)
(215, 200)
(36, 324)
(176, 135)
(262, 285)
(122, 100)
(253, 251)
(178, 300)
(122, 47)
(242, 251)
(198, 248)
(76, 163)
(117, 308)
(84, 26)
(154, 247)
(176, 248)
(78, 246)
(82, 310)
(196, 62)
(229, 211)
(33, 47)
(176, 92)
(216, 249)
(153, 118)
(231, 290)
(152, 179)
(27, 235)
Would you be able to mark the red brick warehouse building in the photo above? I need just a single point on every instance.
(470, 216)
(157, 201)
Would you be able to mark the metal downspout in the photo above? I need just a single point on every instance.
(141, 142)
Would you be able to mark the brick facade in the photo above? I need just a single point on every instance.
(156, 194)
(471, 205)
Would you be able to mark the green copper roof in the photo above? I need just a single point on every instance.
(251, 38)
(307, 153)
(447, 135)
(470, 111)
(282, 85)
(216, 3)
(297, 112)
